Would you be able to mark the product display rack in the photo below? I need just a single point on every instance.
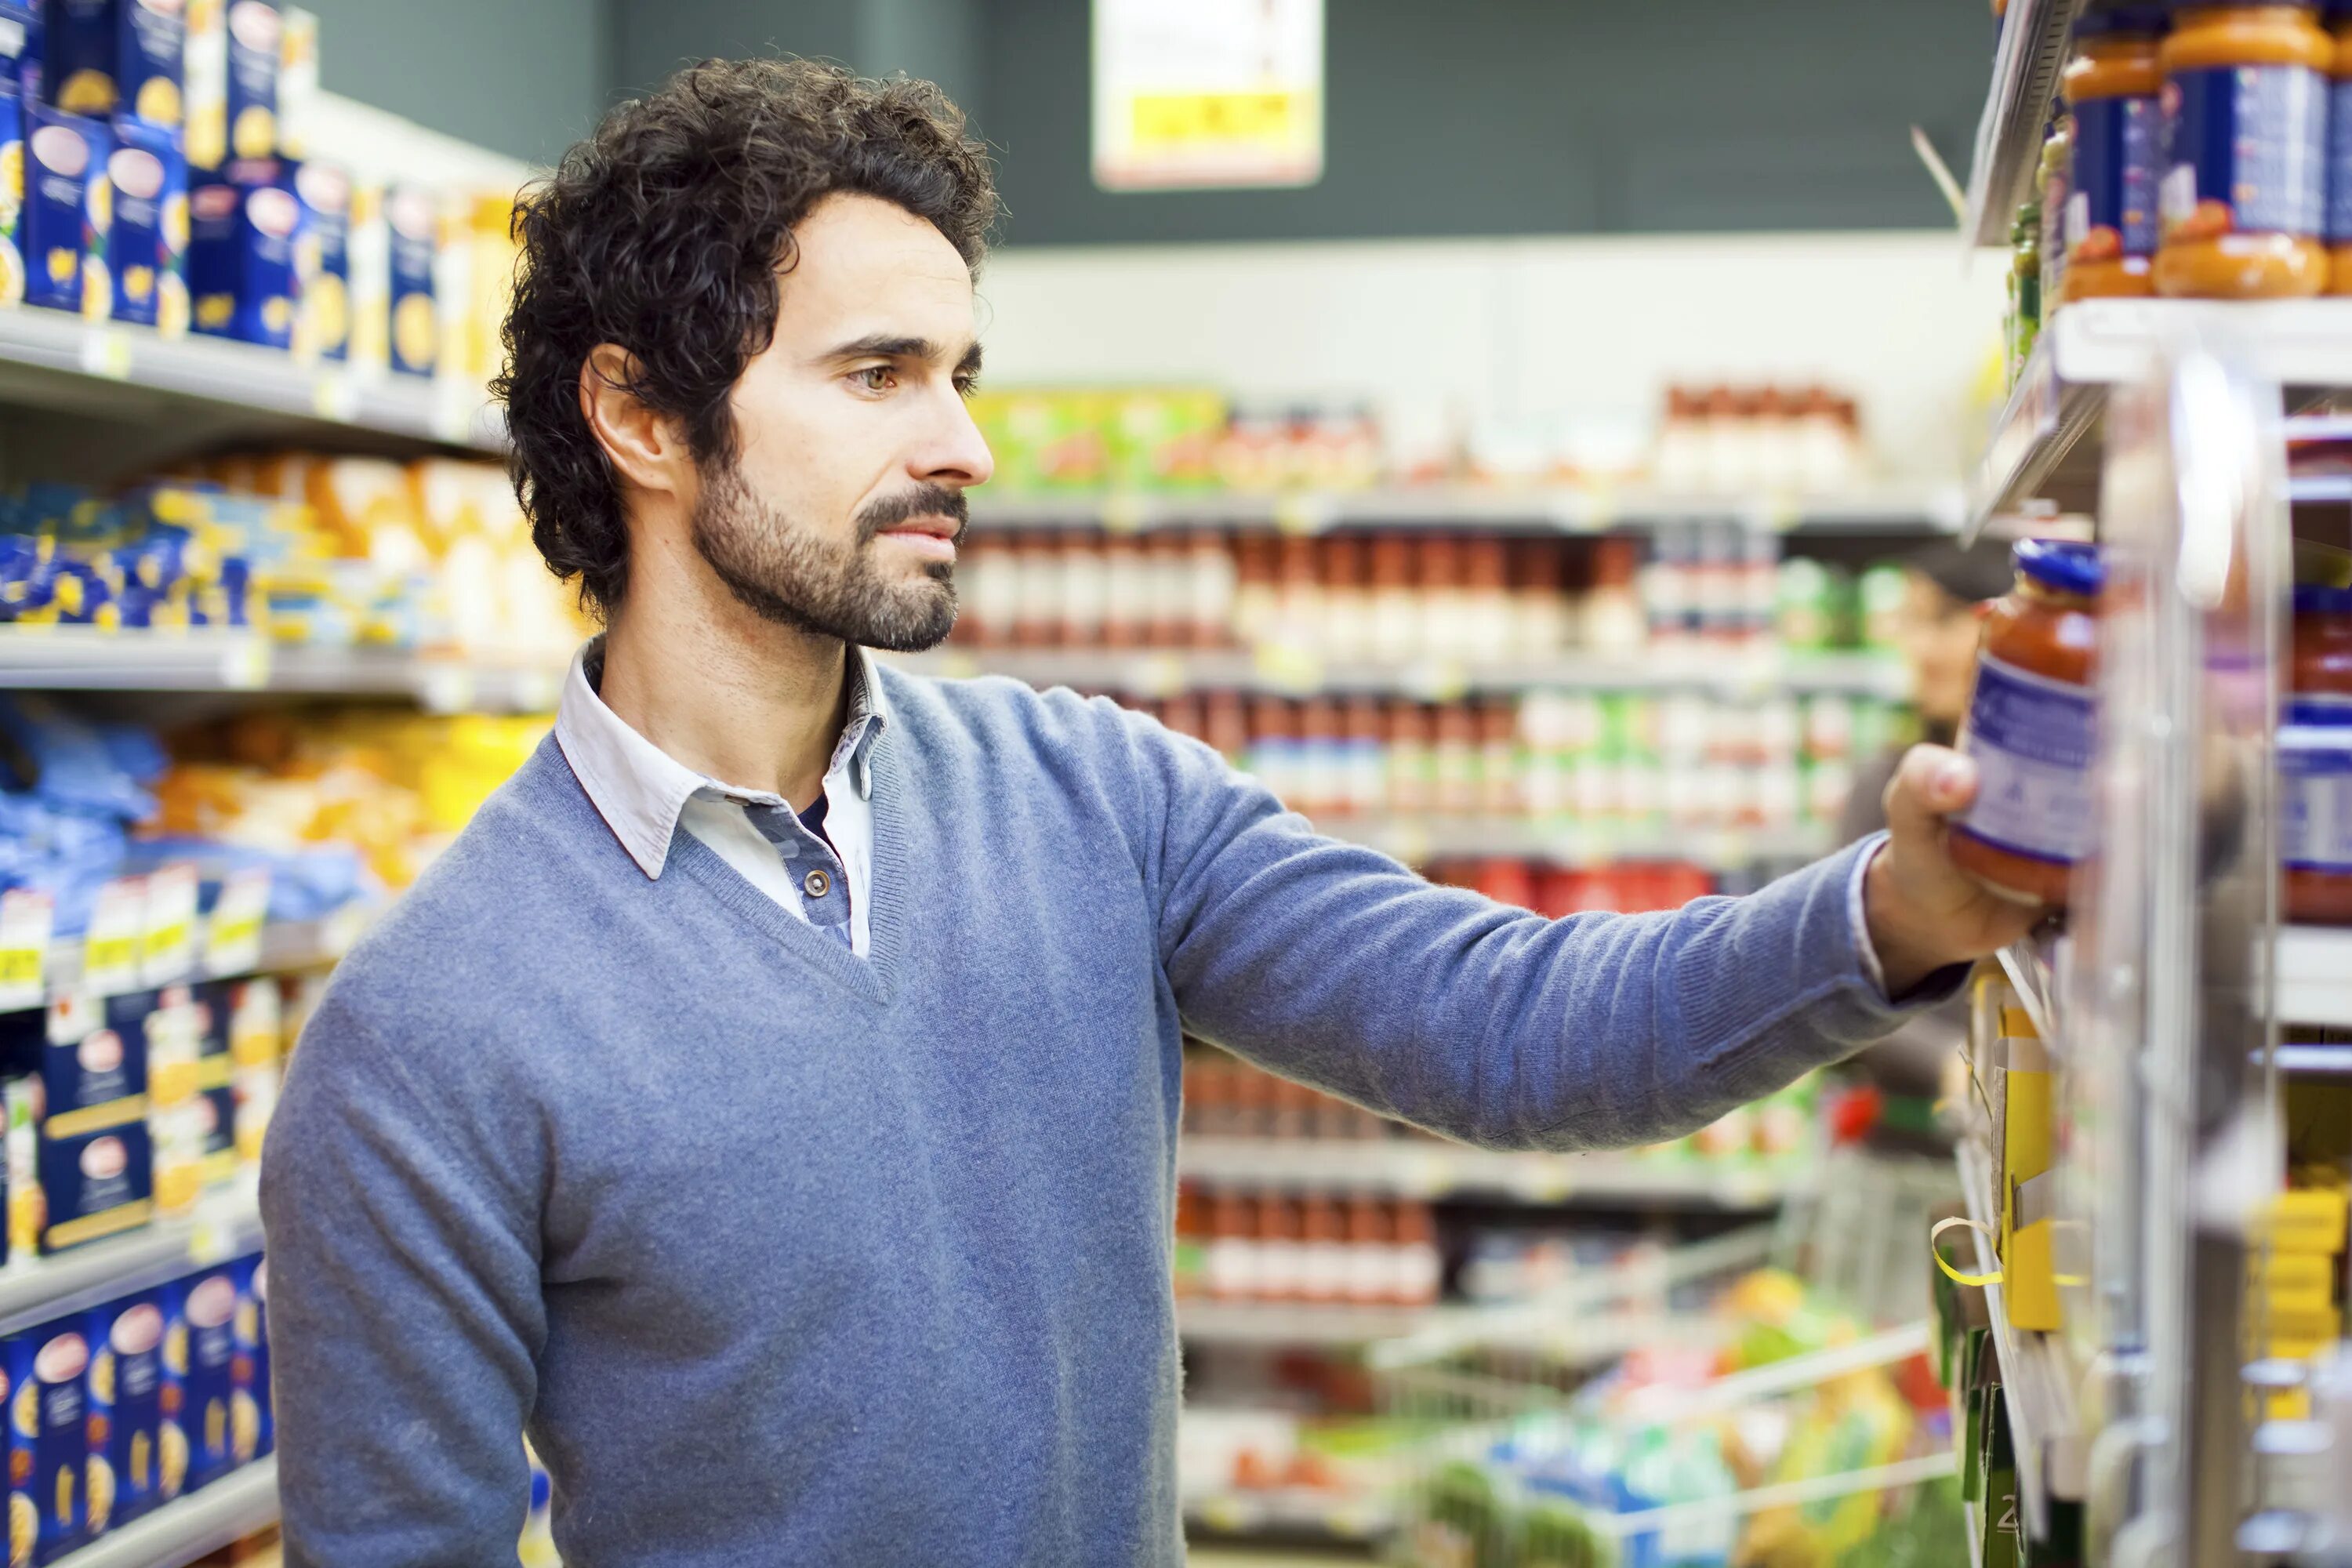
(80, 658)
(181, 1531)
(1294, 1513)
(2090, 347)
(2008, 133)
(53, 360)
(1533, 509)
(225, 1225)
(287, 947)
(1297, 672)
(1418, 1168)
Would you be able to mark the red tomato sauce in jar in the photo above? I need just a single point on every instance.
(2030, 728)
(2315, 762)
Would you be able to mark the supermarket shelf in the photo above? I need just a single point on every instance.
(244, 1501)
(1418, 840)
(1276, 1323)
(2038, 1385)
(1425, 1169)
(2314, 1061)
(2037, 448)
(2008, 135)
(2315, 975)
(35, 1289)
(1298, 672)
(1295, 1513)
(83, 658)
(1524, 509)
(287, 948)
(49, 359)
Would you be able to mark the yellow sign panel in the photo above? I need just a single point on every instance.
(1269, 121)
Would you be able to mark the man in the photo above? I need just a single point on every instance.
(770, 1102)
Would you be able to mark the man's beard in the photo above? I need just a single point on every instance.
(797, 577)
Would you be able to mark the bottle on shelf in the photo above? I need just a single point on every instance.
(2315, 762)
(2113, 86)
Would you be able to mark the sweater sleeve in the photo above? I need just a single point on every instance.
(1331, 963)
(405, 1313)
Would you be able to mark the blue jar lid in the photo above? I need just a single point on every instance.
(2311, 599)
(2107, 21)
(2065, 564)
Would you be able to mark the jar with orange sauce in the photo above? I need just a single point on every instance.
(2339, 151)
(2245, 192)
(2030, 728)
(2315, 762)
(2114, 88)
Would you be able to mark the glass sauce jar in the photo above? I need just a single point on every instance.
(2245, 192)
(2030, 728)
(2113, 86)
(2339, 151)
(2315, 762)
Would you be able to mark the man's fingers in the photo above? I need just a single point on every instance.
(1931, 784)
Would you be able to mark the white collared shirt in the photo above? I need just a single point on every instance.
(645, 794)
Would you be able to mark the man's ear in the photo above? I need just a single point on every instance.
(646, 449)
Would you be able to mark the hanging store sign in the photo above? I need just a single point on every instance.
(1207, 93)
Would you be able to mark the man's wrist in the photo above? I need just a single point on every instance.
(1906, 954)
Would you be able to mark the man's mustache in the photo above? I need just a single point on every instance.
(923, 500)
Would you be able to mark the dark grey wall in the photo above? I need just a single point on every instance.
(524, 76)
(1476, 117)
(1468, 117)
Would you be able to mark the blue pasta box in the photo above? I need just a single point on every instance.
(243, 228)
(252, 1424)
(95, 1184)
(65, 201)
(199, 1379)
(147, 243)
(216, 1122)
(126, 1410)
(323, 320)
(412, 219)
(19, 29)
(94, 1063)
(233, 56)
(48, 1439)
(116, 56)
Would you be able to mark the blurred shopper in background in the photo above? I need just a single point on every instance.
(1948, 586)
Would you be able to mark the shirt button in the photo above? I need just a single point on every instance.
(816, 884)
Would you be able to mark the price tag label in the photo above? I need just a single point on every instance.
(1539, 1180)
(116, 937)
(1156, 675)
(167, 949)
(208, 1242)
(1428, 1173)
(333, 397)
(106, 352)
(1123, 513)
(1354, 1520)
(1303, 512)
(25, 922)
(1291, 667)
(1228, 1513)
(1593, 509)
(445, 688)
(1435, 680)
(233, 943)
(245, 664)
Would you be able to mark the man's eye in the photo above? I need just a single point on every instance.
(966, 386)
(875, 378)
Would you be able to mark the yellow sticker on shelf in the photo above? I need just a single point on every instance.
(1434, 680)
(1936, 1235)
(245, 665)
(117, 935)
(106, 350)
(333, 397)
(1291, 667)
(1542, 1180)
(1227, 1513)
(27, 920)
(1156, 675)
(1123, 512)
(1302, 511)
(1426, 1174)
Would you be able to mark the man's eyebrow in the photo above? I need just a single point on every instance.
(970, 363)
(882, 345)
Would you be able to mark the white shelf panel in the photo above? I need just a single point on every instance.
(1419, 840)
(1525, 509)
(2038, 1382)
(225, 1225)
(1292, 1512)
(52, 359)
(1410, 1167)
(1278, 1324)
(178, 1533)
(83, 658)
(1166, 672)
(2315, 975)
(2008, 133)
(2037, 445)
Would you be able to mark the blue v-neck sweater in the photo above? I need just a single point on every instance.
(783, 1256)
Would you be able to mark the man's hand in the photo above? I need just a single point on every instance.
(1924, 913)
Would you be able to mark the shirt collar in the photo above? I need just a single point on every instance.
(639, 789)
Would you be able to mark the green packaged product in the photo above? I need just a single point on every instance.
(1884, 593)
(1812, 602)
(1559, 1534)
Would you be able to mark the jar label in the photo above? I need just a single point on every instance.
(2245, 149)
(2111, 212)
(2339, 164)
(2315, 785)
(2030, 738)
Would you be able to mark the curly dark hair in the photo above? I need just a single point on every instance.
(666, 233)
